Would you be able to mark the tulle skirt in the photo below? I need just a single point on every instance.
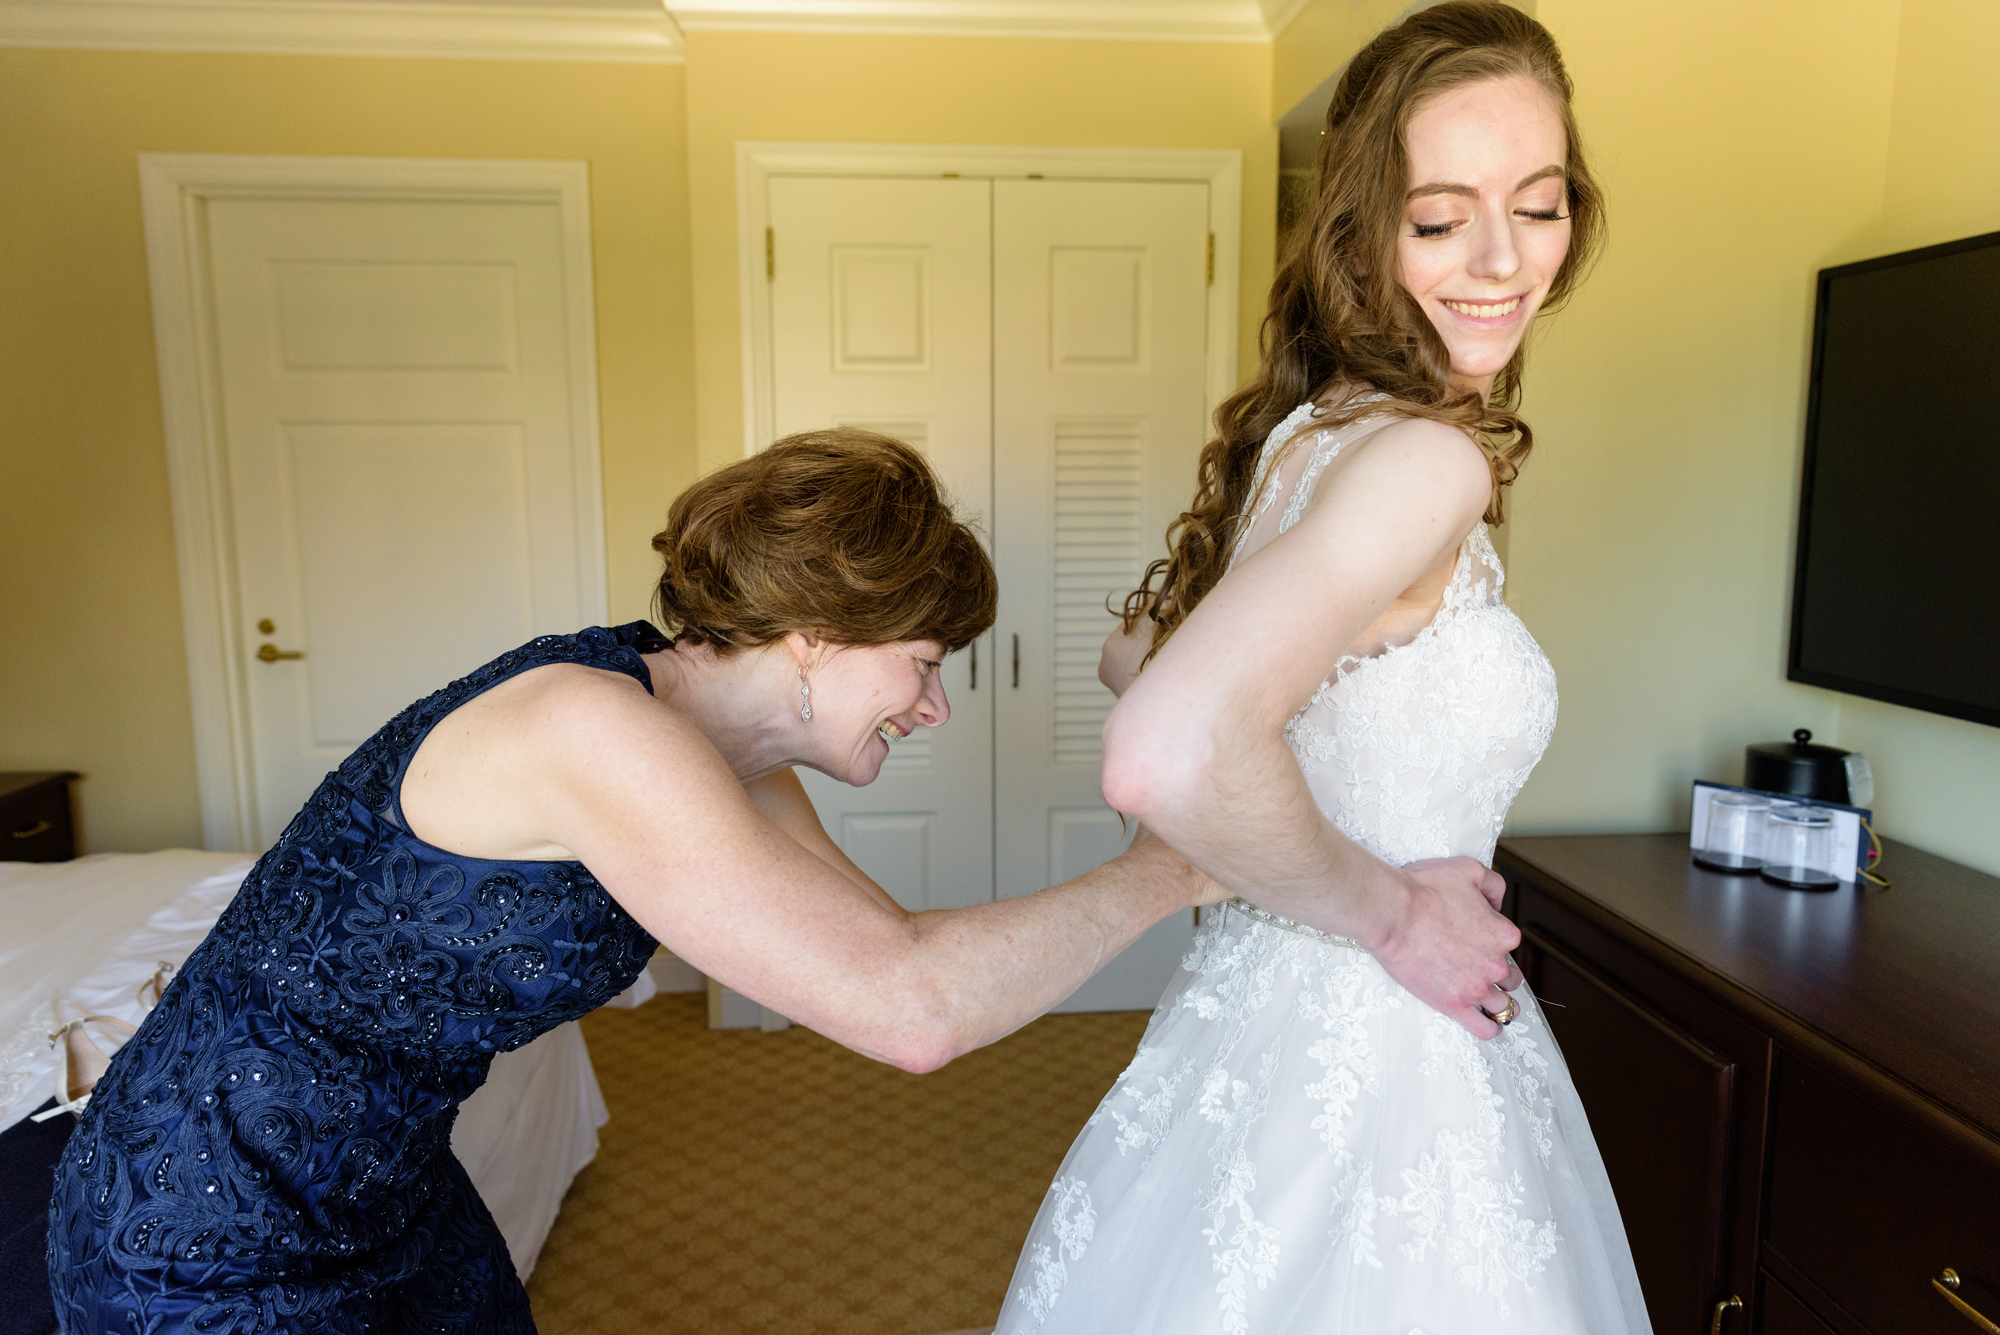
(1302, 1147)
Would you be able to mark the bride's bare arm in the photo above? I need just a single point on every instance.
(641, 798)
(1195, 747)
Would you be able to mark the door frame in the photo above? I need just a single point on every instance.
(757, 161)
(174, 192)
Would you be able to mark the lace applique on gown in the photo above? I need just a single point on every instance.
(272, 1150)
(1301, 1147)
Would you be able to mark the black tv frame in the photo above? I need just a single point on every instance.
(1794, 671)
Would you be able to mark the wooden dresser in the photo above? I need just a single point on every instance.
(1797, 1095)
(36, 822)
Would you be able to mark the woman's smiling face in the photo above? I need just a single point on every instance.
(1485, 224)
(866, 696)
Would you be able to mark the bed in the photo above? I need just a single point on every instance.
(82, 937)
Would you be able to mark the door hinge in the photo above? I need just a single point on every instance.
(771, 255)
(1211, 259)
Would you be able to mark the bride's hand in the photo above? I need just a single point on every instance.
(1449, 945)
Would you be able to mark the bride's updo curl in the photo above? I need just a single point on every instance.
(1340, 323)
(843, 534)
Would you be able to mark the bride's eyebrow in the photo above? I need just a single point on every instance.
(1472, 192)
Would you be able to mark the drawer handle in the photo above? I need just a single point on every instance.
(1715, 1326)
(39, 827)
(1947, 1284)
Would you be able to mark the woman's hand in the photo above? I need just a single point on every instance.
(1124, 651)
(1449, 945)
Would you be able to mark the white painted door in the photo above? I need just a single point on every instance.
(403, 460)
(880, 313)
(1099, 350)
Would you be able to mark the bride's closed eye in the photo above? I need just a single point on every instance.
(1421, 229)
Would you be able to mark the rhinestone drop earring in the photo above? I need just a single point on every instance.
(805, 698)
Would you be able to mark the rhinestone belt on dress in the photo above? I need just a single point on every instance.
(1256, 914)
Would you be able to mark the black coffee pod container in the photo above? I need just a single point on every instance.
(1800, 768)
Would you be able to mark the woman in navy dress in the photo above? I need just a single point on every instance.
(272, 1151)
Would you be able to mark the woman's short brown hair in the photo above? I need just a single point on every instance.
(844, 534)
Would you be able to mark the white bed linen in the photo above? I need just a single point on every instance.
(80, 937)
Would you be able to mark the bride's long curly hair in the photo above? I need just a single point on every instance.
(1340, 324)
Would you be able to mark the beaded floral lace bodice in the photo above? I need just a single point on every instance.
(1418, 751)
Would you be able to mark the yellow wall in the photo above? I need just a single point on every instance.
(1938, 778)
(1318, 42)
(92, 664)
(1742, 148)
(951, 90)
(1322, 37)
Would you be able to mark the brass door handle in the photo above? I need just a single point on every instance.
(1947, 1284)
(1715, 1326)
(271, 653)
(39, 827)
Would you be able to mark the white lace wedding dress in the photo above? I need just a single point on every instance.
(1301, 1147)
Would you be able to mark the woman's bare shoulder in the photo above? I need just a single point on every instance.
(601, 714)
(569, 724)
(493, 777)
(1418, 456)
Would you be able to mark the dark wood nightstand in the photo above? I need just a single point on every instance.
(36, 824)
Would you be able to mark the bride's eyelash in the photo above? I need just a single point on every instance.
(1440, 229)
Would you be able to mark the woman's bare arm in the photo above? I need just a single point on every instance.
(639, 796)
(782, 800)
(1195, 747)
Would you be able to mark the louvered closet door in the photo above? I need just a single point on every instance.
(880, 319)
(1099, 334)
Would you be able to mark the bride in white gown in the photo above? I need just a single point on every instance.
(1325, 1130)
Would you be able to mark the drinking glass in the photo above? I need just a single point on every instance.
(1734, 839)
(1798, 848)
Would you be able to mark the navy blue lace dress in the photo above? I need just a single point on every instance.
(272, 1151)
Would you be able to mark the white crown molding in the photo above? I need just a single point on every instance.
(348, 28)
(1111, 20)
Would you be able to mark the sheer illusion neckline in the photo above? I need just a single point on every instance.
(1280, 446)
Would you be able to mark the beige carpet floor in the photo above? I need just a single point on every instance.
(778, 1184)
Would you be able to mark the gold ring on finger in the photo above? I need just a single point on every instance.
(1505, 1017)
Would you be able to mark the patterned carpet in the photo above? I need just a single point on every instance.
(777, 1184)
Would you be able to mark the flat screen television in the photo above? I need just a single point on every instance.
(1896, 594)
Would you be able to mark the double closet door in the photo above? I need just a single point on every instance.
(1043, 343)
